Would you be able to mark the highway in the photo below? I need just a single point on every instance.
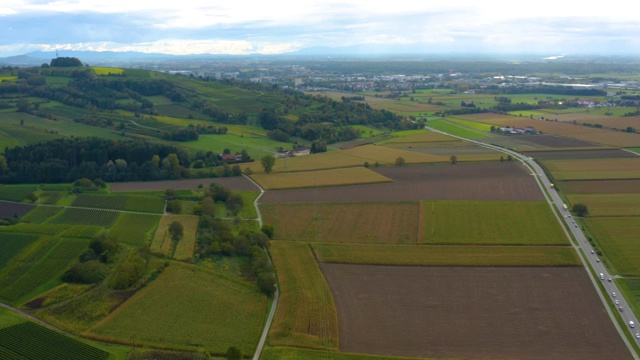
(590, 258)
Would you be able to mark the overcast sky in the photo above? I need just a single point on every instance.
(272, 27)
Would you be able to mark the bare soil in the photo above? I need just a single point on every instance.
(473, 313)
(484, 181)
(552, 141)
(238, 183)
(580, 154)
(600, 186)
(8, 209)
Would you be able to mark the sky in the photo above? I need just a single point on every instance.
(274, 27)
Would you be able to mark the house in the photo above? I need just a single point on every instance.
(230, 157)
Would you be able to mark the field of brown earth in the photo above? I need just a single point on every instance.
(600, 186)
(473, 313)
(607, 121)
(581, 154)
(551, 141)
(9, 209)
(238, 183)
(484, 181)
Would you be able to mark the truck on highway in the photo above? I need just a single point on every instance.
(564, 207)
(552, 186)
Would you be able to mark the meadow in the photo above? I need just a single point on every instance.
(15, 192)
(609, 204)
(321, 178)
(456, 129)
(489, 223)
(593, 169)
(446, 255)
(306, 314)
(362, 222)
(188, 308)
(618, 239)
(162, 244)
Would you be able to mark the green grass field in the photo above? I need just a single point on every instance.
(455, 129)
(489, 223)
(593, 169)
(609, 204)
(306, 314)
(189, 308)
(447, 255)
(15, 192)
(618, 238)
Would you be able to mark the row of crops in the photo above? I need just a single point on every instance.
(137, 203)
(134, 229)
(28, 340)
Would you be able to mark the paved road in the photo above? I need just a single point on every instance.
(612, 292)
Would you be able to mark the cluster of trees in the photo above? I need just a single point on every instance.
(92, 267)
(191, 132)
(216, 237)
(65, 160)
(66, 62)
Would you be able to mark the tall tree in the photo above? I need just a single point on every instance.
(176, 230)
(267, 162)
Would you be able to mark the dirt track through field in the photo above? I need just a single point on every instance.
(485, 181)
(479, 313)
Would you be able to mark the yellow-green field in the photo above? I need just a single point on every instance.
(188, 308)
(618, 238)
(447, 255)
(609, 204)
(489, 222)
(432, 138)
(356, 156)
(306, 314)
(331, 177)
(8, 78)
(161, 244)
(592, 169)
(107, 70)
(370, 222)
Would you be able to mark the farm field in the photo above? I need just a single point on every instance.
(351, 157)
(40, 214)
(79, 216)
(421, 136)
(580, 154)
(134, 229)
(618, 238)
(28, 340)
(446, 255)
(613, 122)
(456, 129)
(233, 183)
(321, 178)
(594, 169)
(306, 314)
(489, 223)
(609, 204)
(290, 353)
(15, 192)
(8, 210)
(600, 186)
(140, 203)
(427, 311)
(483, 181)
(380, 223)
(161, 243)
(189, 308)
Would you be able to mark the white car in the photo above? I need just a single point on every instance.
(616, 302)
(637, 335)
(631, 324)
(613, 294)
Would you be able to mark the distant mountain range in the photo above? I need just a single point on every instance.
(38, 58)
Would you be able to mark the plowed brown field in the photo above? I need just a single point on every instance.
(485, 181)
(479, 313)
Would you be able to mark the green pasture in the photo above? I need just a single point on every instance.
(8, 78)
(189, 308)
(101, 71)
(489, 223)
(634, 149)
(367, 131)
(471, 124)
(618, 238)
(256, 146)
(455, 129)
(631, 286)
(609, 204)
(36, 129)
(24, 135)
(16, 192)
(446, 255)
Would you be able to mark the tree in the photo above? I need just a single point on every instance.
(400, 161)
(267, 162)
(234, 203)
(580, 209)
(32, 197)
(176, 230)
(233, 353)
(453, 159)
(174, 206)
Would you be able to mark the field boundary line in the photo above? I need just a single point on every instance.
(276, 293)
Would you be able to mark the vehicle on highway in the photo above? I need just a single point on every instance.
(592, 252)
(631, 324)
(637, 335)
(609, 280)
(597, 260)
(616, 302)
(620, 308)
(613, 294)
(601, 276)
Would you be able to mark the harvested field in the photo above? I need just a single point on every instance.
(551, 141)
(594, 169)
(609, 204)
(370, 222)
(618, 238)
(580, 154)
(607, 121)
(322, 178)
(453, 312)
(487, 181)
(234, 183)
(306, 314)
(489, 223)
(10, 209)
(447, 255)
(600, 186)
